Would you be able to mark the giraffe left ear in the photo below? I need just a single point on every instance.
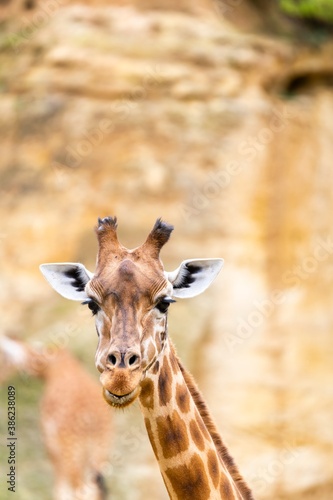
(69, 279)
(193, 276)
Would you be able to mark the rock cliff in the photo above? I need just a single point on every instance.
(145, 109)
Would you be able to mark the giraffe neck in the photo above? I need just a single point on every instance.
(193, 461)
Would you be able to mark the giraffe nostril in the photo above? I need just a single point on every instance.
(123, 359)
(113, 359)
(132, 359)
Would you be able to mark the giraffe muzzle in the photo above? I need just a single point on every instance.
(120, 384)
(120, 401)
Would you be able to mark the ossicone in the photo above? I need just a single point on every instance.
(106, 230)
(158, 237)
(108, 223)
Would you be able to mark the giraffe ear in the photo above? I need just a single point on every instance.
(68, 279)
(193, 276)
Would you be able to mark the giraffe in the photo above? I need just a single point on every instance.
(129, 294)
(76, 423)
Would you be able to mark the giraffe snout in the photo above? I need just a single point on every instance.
(121, 377)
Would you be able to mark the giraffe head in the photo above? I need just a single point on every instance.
(129, 294)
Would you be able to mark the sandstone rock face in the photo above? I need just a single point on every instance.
(143, 113)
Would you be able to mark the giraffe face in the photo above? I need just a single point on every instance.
(130, 302)
(129, 294)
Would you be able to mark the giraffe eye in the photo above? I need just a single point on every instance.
(93, 306)
(163, 304)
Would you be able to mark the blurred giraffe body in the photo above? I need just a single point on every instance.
(76, 422)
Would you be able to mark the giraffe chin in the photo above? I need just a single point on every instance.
(120, 401)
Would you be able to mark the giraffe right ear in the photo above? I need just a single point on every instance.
(69, 279)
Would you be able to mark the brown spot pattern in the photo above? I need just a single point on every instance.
(190, 482)
(183, 398)
(164, 384)
(151, 352)
(172, 435)
(155, 367)
(202, 425)
(147, 394)
(151, 436)
(196, 435)
(225, 488)
(213, 467)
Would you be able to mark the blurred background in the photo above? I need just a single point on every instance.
(218, 117)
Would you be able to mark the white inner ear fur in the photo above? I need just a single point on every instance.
(68, 279)
(194, 276)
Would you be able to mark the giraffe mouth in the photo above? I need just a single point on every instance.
(120, 401)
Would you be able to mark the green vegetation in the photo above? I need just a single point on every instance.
(319, 10)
